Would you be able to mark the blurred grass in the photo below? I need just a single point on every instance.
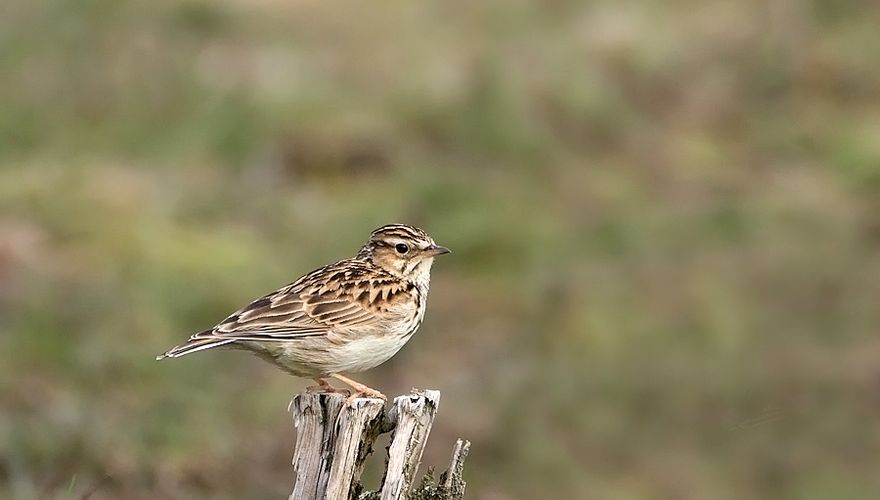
(664, 217)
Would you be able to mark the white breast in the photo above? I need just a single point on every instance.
(364, 353)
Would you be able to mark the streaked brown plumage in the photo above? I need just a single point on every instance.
(349, 316)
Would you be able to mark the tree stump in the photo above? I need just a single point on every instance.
(334, 440)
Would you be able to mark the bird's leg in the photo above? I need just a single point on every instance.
(323, 386)
(359, 389)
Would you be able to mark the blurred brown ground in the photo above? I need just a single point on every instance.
(665, 219)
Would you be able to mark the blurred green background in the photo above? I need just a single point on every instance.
(665, 219)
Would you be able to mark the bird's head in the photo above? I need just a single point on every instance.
(404, 251)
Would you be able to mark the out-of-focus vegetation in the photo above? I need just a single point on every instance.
(665, 219)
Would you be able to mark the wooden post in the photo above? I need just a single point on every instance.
(412, 416)
(451, 480)
(334, 440)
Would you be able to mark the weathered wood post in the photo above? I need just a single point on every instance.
(334, 440)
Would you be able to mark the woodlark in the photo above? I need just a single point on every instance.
(345, 317)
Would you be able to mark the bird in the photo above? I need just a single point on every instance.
(345, 317)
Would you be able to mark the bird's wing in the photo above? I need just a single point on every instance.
(337, 297)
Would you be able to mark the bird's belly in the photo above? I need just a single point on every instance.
(321, 357)
(365, 352)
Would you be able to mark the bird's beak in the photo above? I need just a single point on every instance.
(435, 250)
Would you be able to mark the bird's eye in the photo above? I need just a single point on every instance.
(401, 248)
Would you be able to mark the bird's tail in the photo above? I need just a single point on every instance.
(194, 344)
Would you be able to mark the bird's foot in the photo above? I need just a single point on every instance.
(365, 393)
(360, 390)
(324, 386)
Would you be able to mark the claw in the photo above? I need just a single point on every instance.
(360, 390)
(367, 393)
(322, 386)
